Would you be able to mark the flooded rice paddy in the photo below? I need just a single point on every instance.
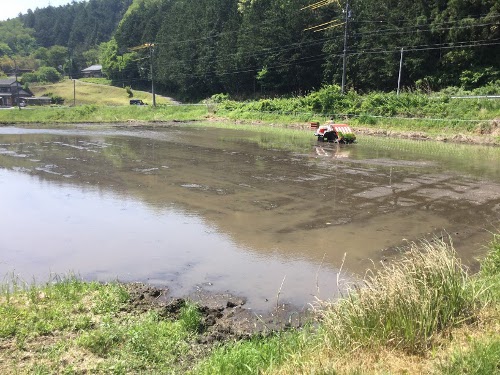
(205, 209)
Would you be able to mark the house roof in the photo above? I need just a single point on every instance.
(7, 81)
(93, 68)
(24, 93)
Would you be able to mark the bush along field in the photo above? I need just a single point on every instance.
(442, 112)
(423, 313)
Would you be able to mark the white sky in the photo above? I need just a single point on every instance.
(11, 8)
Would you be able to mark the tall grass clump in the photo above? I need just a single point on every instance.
(490, 266)
(489, 274)
(404, 304)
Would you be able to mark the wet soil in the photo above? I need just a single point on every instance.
(224, 316)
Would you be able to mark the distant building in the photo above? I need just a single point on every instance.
(12, 93)
(94, 71)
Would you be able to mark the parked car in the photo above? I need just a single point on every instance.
(137, 102)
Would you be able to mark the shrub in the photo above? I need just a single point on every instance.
(130, 94)
(44, 74)
(219, 98)
(55, 99)
(405, 304)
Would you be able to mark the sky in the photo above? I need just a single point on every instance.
(11, 8)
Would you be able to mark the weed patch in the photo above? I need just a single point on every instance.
(482, 358)
(404, 304)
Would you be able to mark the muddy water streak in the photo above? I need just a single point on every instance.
(222, 210)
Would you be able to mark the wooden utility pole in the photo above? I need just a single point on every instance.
(152, 73)
(150, 46)
(344, 62)
(400, 69)
(17, 83)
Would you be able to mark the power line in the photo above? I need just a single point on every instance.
(308, 59)
(267, 51)
(321, 56)
(258, 27)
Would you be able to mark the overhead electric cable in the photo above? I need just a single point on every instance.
(329, 27)
(321, 24)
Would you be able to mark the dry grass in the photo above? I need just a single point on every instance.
(405, 304)
(91, 93)
(324, 359)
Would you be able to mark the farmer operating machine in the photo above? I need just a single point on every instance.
(330, 132)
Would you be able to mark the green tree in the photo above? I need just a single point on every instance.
(44, 74)
(19, 39)
(57, 56)
(116, 66)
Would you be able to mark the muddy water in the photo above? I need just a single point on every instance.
(225, 210)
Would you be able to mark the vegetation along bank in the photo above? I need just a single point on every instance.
(417, 115)
(424, 313)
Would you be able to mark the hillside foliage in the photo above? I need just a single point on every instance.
(263, 48)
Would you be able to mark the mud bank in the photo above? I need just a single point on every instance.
(224, 316)
(491, 138)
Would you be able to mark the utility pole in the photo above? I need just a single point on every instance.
(17, 86)
(344, 62)
(400, 69)
(151, 45)
(74, 92)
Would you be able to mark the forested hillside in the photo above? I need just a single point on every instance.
(270, 47)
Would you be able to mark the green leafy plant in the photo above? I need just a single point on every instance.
(130, 94)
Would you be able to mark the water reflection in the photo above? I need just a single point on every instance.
(220, 209)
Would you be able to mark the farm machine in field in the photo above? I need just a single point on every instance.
(331, 132)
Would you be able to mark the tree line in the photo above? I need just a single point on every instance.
(193, 49)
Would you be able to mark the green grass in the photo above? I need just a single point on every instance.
(253, 356)
(35, 311)
(481, 358)
(101, 114)
(88, 320)
(148, 341)
(490, 266)
(410, 111)
(97, 81)
(490, 272)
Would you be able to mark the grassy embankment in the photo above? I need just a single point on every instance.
(97, 91)
(421, 314)
(436, 115)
